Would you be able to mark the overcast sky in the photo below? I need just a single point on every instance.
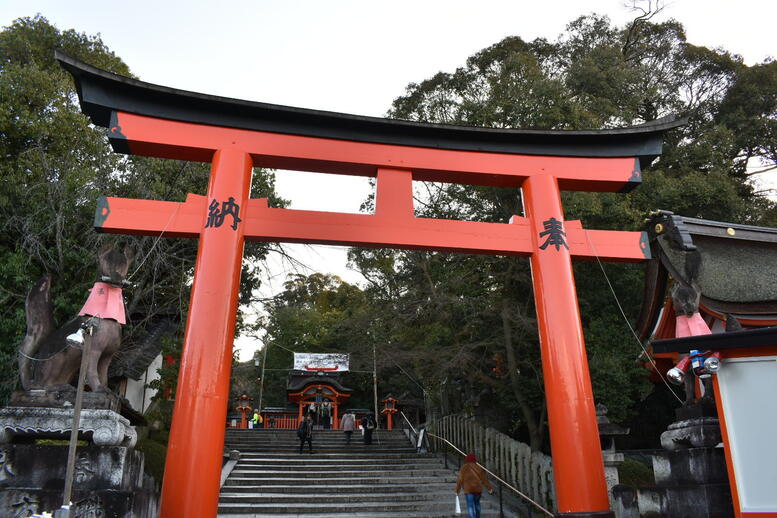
(350, 56)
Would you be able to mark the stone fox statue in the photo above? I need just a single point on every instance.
(58, 362)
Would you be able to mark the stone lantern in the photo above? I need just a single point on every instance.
(244, 407)
(389, 408)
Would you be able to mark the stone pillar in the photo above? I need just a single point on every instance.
(691, 476)
(109, 481)
(612, 459)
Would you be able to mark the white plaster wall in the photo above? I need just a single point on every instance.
(138, 394)
(748, 387)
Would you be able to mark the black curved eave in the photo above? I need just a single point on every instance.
(102, 93)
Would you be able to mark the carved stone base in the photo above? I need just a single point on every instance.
(107, 482)
(101, 427)
(64, 396)
(592, 514)
(691, 467)
(708, 501)
(692, 433)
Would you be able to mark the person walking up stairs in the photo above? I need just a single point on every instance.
(305, 433)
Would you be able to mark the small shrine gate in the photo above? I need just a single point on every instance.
(235, 136)
(306, 388)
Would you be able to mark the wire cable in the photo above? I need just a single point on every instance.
(626, 319)
(156, 240)
(88, 322)
(423, 390)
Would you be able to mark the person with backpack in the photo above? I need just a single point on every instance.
(305, 433)
(257, 419)
(368, 425)
(326, 415)
(472, 478)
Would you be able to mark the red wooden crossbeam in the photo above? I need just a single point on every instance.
(149, 136)
(262, 223)
(392, 226)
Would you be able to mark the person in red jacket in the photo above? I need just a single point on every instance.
(472, 478)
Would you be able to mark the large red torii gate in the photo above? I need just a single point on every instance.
(235, 136)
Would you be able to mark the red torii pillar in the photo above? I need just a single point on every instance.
(226, 217)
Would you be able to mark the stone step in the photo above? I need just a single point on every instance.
(329, 448)
(324, 509)
(389, 514)
(338, 439)
(324, 435)
(318, 451)
(265, 432)
(336, 466)
(334, 441)
(238, 431)
(349, 498)
(367, 456)
(290, 433)
(238, 445)
(241, 473)
(286, 434)
(338, 488)
(325, 461)
(330, 480)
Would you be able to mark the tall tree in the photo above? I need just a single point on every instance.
(464, 311)
(54, 164)
(317, 313)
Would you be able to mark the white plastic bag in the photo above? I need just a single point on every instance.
(458, 504)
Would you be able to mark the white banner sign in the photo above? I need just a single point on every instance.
(330, 362)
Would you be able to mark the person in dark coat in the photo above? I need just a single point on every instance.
(305, 433)
(326, 415)
(368, 425)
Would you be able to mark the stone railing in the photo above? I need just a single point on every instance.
(513, 461)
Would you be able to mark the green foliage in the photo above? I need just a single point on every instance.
(635, 474)
(458, 312)
(167, 383)
(54, 166)
(317, 314)
(154, 453)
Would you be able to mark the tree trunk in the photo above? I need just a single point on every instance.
(533, 424)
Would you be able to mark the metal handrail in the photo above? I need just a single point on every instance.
(408, 422)
(416, 437)
(538, 506)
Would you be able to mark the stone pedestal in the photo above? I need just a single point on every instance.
(109, 482)
(48, 414)
(690, 474)
(612, 459)
(690, 483)
(625, 504)
(698, 432)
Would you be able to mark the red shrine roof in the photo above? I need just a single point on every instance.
(299, 380)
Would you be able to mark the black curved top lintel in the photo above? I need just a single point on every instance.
(102, 93)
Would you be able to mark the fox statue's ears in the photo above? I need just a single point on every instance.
(129, 253)
(40, 323)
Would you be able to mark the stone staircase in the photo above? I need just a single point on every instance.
(385, 479)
